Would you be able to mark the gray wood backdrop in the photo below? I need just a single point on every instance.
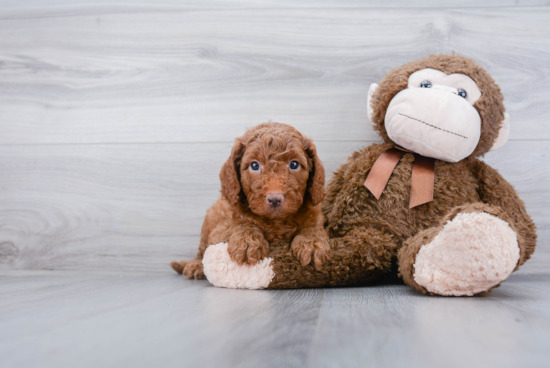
(115, 116)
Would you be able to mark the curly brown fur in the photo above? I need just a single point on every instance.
(353, 262)
(243, 216)
(467, 186)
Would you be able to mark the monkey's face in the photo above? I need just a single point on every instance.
(434, 116)
(442, 106)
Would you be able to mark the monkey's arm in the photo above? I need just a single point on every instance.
(494, 190)
(358, 258)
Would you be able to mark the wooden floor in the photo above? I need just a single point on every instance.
(115, 118)
(77, 319)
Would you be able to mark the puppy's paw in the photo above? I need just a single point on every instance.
(191, 269)
(247, 247)
(308, 247)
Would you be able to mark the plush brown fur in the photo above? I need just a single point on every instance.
(242, 216)
(368, 236)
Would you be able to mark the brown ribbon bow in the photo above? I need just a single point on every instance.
(422, 180)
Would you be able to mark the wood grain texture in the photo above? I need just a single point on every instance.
(149, 74)
(67, 319)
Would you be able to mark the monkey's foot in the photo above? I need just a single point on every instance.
(221, 271)
(472, 253)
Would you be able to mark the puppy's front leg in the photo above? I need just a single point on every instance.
(247, 244)
(311, 243)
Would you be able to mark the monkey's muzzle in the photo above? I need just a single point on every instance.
(433, 123)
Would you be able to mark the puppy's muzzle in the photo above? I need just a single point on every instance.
(274, 199)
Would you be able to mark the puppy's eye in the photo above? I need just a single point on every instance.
(425, 84)
(462, 93)
(294, 165)
(255, 166)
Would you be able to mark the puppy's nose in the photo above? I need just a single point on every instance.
(274, 199)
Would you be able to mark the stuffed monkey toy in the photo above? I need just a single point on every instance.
(421, 204)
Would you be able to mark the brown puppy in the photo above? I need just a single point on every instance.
(272, 185)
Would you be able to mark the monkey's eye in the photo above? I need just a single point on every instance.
(425, 84)
(462, 93)
(254, 166)
(294, 165)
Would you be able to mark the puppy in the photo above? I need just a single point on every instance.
(272, 185)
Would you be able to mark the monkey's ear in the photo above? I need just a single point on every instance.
(503, 133)
(230, 176)
(373, 87)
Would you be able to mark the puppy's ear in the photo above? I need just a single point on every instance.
(230, 175)
(316, 181)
